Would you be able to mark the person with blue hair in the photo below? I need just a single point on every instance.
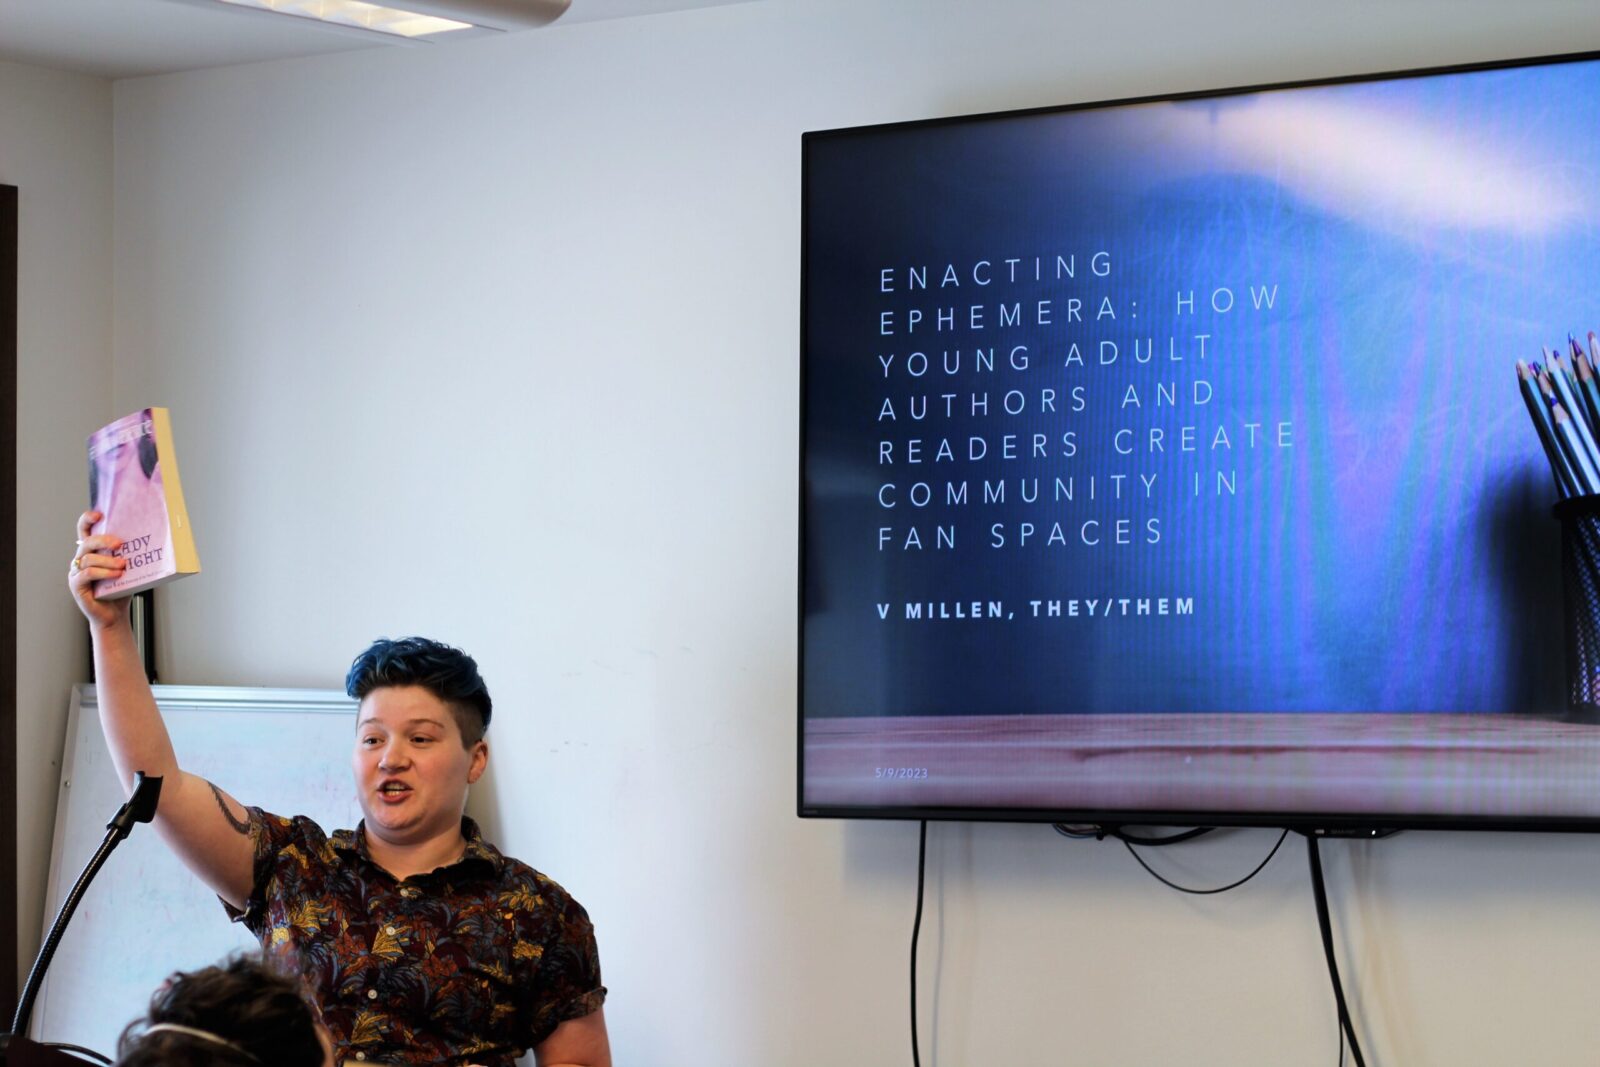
(417, 940)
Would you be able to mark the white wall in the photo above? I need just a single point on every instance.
(55, 147)
(497, 341)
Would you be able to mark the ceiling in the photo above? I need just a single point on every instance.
(129, 38)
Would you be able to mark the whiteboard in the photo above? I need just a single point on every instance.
(145, 916)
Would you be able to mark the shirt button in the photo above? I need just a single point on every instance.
(389, 930)
(372, 994)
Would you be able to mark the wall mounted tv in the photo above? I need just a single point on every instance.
(1163, 460)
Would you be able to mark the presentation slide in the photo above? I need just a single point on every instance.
(1190, 430)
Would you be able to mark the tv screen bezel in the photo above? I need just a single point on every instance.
(1332, 822)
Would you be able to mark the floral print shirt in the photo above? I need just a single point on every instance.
(475, 962)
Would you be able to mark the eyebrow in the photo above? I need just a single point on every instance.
(408, 722)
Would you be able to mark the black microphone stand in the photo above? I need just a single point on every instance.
(15, 1049)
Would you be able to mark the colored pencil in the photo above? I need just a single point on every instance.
(1566, 387)
(1567, 429)
(1562, 396)
(1588, 387)
(1545, 428)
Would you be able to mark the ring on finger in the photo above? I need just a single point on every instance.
(77, 564)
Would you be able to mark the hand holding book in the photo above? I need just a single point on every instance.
(134, 489)
(96, 560)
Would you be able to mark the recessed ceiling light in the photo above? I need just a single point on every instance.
(418, 19)
(359, 14)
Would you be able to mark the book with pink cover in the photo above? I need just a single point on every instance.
(133, 483)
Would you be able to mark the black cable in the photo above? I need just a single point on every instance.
(1078, 833)
(1128, 844)
(916, 928)
(1319, 890)
(1085, 831)
(1170, 839)
(86, 1054)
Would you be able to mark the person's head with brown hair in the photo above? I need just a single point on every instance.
(236, 1014)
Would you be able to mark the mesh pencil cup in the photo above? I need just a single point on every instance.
(1580, 592)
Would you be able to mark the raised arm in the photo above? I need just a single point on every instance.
(208, 829)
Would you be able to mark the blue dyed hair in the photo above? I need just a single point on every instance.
(448, 673)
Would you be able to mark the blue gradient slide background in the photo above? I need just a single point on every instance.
(1419, 235)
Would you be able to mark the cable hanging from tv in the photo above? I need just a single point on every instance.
(1346, 1024)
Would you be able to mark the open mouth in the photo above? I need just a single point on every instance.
(393, 792)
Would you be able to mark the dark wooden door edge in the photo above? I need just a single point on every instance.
(9, 963)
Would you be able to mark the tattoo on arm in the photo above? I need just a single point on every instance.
(222, 802)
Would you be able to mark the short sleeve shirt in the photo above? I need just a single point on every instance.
(475, 962)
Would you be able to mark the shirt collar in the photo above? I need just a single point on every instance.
(478, 850)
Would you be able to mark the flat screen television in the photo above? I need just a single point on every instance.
(1163, 460)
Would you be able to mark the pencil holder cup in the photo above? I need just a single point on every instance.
(1580, 580)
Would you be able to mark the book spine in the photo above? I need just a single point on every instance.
(184, 556)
